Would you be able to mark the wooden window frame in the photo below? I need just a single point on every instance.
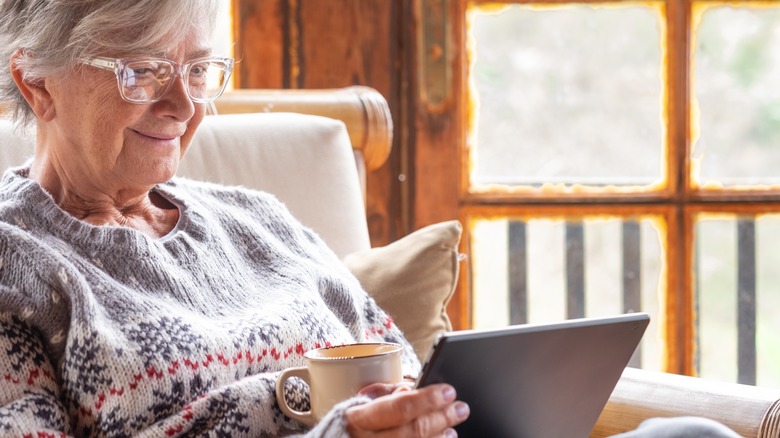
(442, 129)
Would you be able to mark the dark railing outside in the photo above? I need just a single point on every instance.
(575, 270)
(632, 275)
(518, 273)
(746, 301)
(631, 282)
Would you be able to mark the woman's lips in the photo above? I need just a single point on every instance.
(160, 139)
(160, 136)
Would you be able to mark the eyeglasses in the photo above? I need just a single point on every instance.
(146, 80)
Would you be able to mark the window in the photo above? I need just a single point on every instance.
(222, 39)
(612, 163)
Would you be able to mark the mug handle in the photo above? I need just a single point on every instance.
(305, 417)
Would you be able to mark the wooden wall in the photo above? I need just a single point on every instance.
(311, 44)
(411, 51)
(314, 44)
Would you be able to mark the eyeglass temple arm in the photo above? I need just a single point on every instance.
(104, 63)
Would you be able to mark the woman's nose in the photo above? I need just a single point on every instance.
(177, 99)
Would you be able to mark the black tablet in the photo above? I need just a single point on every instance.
(535, 380)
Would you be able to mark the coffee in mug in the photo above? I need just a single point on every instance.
(335, 374)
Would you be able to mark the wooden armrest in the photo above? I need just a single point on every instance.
(364, 110)
(751, 411)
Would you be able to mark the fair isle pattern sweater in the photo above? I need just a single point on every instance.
(105, 331)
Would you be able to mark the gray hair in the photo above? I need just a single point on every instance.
(56, 34)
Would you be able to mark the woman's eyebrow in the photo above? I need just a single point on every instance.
(199, 53)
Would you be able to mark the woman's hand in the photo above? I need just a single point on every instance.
(399, 411)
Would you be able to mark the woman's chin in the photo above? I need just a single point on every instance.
(158, 171)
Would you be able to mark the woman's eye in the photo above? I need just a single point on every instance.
(148, 70)
(198, 70)
(143, 71)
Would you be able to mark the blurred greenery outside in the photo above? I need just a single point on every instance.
(575, 95)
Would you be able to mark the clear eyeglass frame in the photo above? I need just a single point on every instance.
(146, 80)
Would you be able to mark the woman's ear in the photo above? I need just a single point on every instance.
(36, 94)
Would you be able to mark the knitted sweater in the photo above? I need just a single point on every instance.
(105, 331)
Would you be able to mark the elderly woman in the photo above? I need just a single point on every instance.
(132, 303)
(135, 303)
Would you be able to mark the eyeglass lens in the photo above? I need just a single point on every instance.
(144, 81)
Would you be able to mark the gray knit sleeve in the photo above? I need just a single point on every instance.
(334, 425)
(29, 394)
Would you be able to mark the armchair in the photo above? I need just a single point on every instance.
(309, 162)
(750, 411)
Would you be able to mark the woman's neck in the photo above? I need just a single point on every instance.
(142, 209)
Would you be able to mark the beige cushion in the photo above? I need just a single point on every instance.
(413, 279)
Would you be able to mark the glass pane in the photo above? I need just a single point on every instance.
(716, 279)
(568, 94)
(736, 86)
(546, 273)
(222, 38)
(767, 301)
(717, 259)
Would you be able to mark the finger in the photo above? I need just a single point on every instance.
(376, 390)
(400, 408)
(404, 386)
(437, 423)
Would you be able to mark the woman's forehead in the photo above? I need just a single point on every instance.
(193, 45)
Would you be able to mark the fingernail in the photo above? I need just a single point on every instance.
(462, 410)
(450, 433)
(448, 393)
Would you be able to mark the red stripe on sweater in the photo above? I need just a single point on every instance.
(153, 374)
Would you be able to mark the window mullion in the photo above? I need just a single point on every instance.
(680, 321)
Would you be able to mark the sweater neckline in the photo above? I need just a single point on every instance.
(40, 206)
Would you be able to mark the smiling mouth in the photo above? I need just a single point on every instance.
(163, 137)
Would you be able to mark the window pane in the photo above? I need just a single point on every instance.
(719, 249)
(716, 299)
(567, 94)
(547, 267)
(736, 88)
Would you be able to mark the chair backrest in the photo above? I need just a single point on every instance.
(306, 161)
(16, 145)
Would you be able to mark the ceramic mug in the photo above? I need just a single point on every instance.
(335, 374)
